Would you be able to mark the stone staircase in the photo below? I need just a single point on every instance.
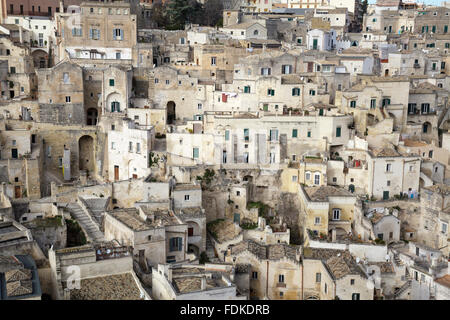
(397, 260)
(402, 289)
(210, 250)
(86, 223)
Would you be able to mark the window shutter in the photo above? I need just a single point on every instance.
(114, 34)
(91, 32)
(180, 244)
(73, 31)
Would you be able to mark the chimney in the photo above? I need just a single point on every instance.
(203, 284)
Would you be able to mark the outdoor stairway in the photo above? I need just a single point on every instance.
(402, 289)
(210, 250)
(85, 222)
(397, 260)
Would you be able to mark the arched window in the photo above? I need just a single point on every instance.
(255, 33)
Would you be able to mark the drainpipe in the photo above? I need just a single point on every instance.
(267, 281)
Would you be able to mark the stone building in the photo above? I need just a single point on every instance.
(276, 270)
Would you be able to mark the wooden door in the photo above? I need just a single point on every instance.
(17, 193)
(116, 173)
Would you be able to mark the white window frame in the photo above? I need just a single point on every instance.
(336, 214)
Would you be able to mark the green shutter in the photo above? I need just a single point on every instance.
(294, 133)
(353, 104)
(195, 153)
(111, 82)
(338, 131)
(266, 107)
(227, 135)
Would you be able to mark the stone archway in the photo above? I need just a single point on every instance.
(426, 128)
(86, 153)
(91, 117)
(171, 115)
(40, 59)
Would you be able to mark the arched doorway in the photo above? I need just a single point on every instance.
(91, 117)
(86, 153)
(40, 59)
(171, 116)
(426, 128)
(351, 188)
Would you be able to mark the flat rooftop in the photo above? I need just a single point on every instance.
(113, 287)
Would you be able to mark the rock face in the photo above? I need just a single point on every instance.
(289, 209)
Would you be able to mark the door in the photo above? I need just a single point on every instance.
(237, 218)
(314, 44)
(116, 173)
(17, 193)
(190, 231)
(385, 195)
(14, 153)
(135, 176)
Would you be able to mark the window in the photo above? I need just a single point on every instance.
(115, 106)
(199, 106)
(77, 32)
(270, 92)
(326, 288)
(176, 244)
(352, 282)
(294, 133)
(338, 132)
(295, 91)
(117, 34)
(388, 183)
(12, 70)
(317, 220)
(281, 294)
(246, 135)
(254, 275)
(94, 34)
(111, 82)
(412, 108)
(281, 278)
(353, 104)
(312, 92)
(186, 197)
(227, 135)
(67, 99)
(373, 103)
(130, 146)
(308, 176)
(388, 167)
(273, 135)
(336, 214)
(286, 69)
(113, 146)
(138, 147)
(247, 89)
(386, 102)
(213, 61)
(118, 55)
(294, 178)
(195, 153)
(317, 178)
(309, 134)
(444, 228)
(425, 108)
(265, 71)
(318, 277)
